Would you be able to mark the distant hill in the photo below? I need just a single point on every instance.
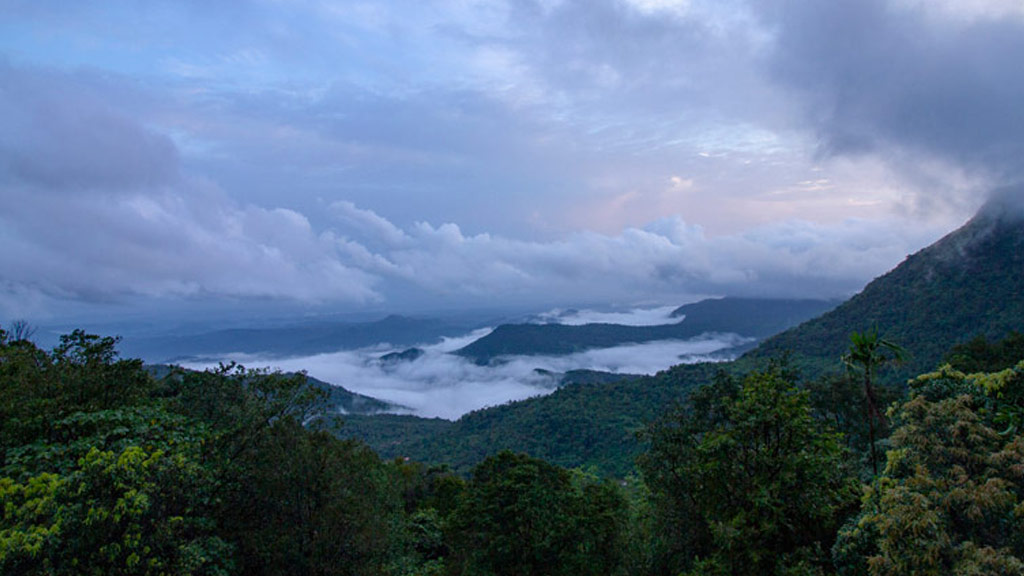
(969, 283)
(754, 318)
(296, 340)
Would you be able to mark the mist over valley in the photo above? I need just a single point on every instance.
(430, 379)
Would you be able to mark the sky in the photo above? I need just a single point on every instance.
(301, 156)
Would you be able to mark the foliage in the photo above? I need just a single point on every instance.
(124, 491)
(580, 424)
(949, 501)
(105, 470)
(867, 353)
(749, 481)
(522, 516)
(982, 355)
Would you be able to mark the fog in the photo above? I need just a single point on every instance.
(441, 384)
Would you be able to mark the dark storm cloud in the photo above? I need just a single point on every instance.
(879, 74)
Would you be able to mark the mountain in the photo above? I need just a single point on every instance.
(970, 283)
(295, 340)
(752, 318)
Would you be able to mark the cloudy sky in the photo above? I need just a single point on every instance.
(416, 155)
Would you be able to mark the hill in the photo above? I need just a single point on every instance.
(970, 283)
(752, 318)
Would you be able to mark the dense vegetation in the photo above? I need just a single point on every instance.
(581, 424)
(107, 469)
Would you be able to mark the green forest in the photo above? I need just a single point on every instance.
(108, 467)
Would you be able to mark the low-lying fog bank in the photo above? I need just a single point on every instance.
(440, 384)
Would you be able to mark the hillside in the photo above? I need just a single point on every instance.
(969, 283)
(752, 318)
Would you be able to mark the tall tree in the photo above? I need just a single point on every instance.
(760, 482)
(866, 354)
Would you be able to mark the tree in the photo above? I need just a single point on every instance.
(521, 516)
(950, 498)
(759, 484)
(867, 353)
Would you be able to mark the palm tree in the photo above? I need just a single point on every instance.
(868, 352)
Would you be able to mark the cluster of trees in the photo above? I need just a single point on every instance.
(107, 468)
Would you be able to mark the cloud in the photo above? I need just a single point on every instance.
(877, 75)
(97, 208)
(438, 154)
(60, 135)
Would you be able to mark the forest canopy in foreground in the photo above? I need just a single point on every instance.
(106, 469)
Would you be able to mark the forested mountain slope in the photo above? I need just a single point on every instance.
(969, 283)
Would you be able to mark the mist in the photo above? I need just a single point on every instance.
(441, 384)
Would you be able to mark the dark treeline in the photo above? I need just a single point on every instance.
(108, 469)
